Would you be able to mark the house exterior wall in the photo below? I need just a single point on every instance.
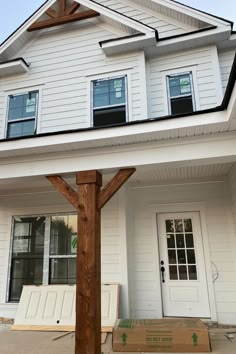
(225, 59)
(62, 66)
(204, 65)
(143, 255)
(130, 243)
(113, 248)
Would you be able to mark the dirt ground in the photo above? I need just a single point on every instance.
(13, 342)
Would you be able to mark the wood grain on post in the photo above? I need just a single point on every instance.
(88, 293)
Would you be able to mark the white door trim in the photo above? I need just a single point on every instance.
(188, 207)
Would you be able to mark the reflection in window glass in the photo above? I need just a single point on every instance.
(27, 254)
(63, 235)
(63, 243)
(22, 112)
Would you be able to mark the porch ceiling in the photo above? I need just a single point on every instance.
(37, 191)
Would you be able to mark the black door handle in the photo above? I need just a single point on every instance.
(163, 274)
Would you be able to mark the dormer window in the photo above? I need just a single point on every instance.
(180, 93)
(22, 114)
(109, 101)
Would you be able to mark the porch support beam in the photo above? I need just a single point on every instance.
(88, 294)
(114, 185)
(89, 201)
(67, 191)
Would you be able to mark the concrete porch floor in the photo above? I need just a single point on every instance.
(43, 343)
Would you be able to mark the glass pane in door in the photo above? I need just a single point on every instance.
(180, 249)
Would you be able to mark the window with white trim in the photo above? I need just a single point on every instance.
(180, 93)
(22, 114)
(109, 101)
(44, 250)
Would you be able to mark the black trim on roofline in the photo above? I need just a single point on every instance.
(16, 59)
(157, 36)
(204, 12)
(120, 38)
(105, 7)
(188, 33)
(222, 107)
(119, 13)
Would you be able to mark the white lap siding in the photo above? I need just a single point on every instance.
(62, 66)
(226, 60)
(113, 246)
(166, 26)
(143, 248)
(206, 78)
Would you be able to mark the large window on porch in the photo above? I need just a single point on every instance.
(43, 252)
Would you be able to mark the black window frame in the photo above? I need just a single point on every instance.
(110, 107)
(33, 118)
(181, 96)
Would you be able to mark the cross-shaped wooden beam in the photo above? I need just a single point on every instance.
(62, 16)
(89, 201)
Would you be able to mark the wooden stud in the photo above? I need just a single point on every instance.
(51, 13)
(72, 8)
(62, 7)
(114, 185)
(63, 20)
(88, 292)
(67, 191)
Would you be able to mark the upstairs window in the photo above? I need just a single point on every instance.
(180, 93)
(22, 114)
(109, 101)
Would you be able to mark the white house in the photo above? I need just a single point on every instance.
(111, 84)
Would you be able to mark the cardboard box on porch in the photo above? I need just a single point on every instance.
(165, 335)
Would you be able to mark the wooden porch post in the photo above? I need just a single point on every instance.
(89, 201)
(88, 292)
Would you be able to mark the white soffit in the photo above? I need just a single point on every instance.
(183, 13)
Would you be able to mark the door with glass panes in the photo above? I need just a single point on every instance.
(182, 266)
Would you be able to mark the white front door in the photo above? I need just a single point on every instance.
(182, 265)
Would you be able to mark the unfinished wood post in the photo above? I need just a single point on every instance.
(88, 291)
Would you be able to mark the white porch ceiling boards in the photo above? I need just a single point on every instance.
(153, 174)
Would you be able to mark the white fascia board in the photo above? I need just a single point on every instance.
(127, 44)
(116, 16)
(175, 152)
(195, 39)
(201, 16)
(61, 141)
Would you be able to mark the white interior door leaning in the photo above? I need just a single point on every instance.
(182, 266)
